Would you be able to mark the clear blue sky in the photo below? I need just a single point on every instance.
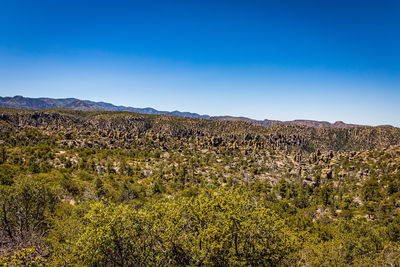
(322, 60)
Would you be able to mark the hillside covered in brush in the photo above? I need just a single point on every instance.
(125, 127)
(101, 188)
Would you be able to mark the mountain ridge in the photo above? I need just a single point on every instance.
(20, 102)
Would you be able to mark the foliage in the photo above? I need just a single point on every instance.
(123, 189)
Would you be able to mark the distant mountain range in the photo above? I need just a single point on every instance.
(20, 102)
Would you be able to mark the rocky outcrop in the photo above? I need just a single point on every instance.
(121, 128)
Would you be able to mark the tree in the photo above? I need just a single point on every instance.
(227, 227)
(25, 208)
(99, 188)
(370, 190)
(7, 174)
(3, 155)
(112, 235)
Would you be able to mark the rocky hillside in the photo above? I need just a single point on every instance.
(20, 102)
(309, 123)
(120, 129)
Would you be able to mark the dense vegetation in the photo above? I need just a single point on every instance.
(123, 189)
